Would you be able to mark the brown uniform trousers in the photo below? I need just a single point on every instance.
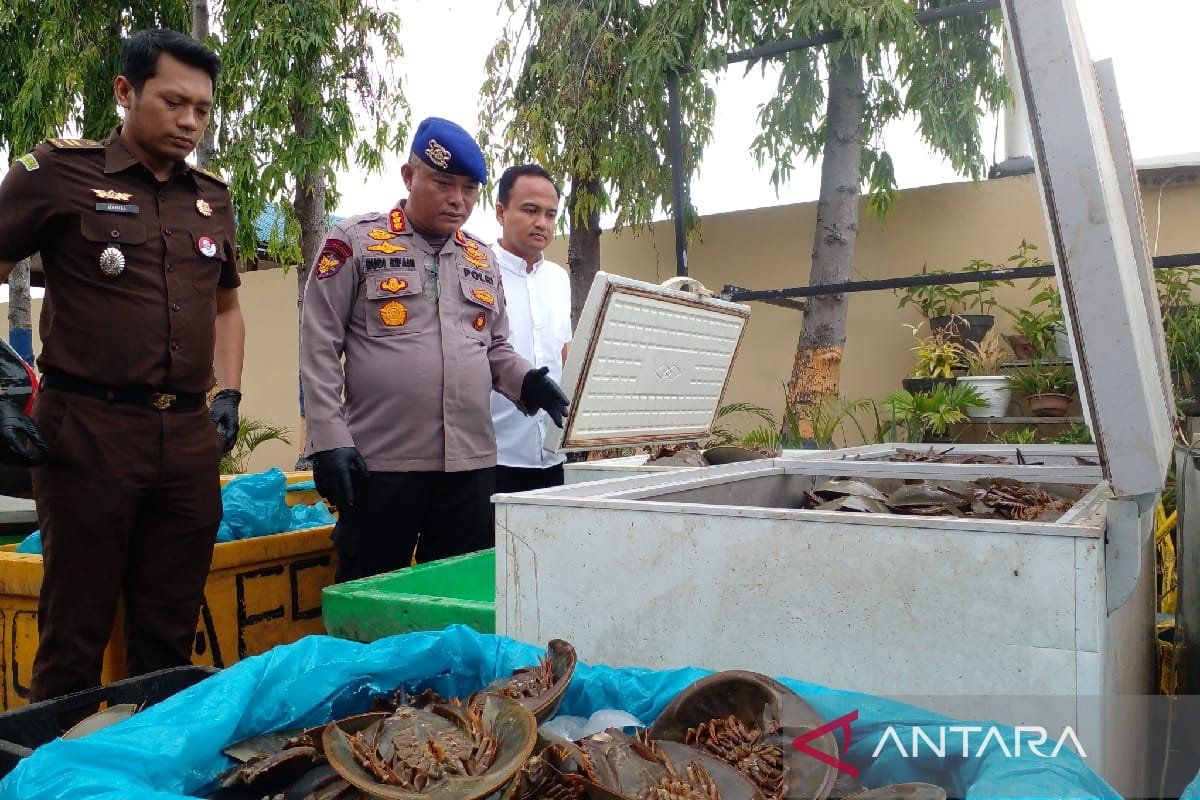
(127, 505)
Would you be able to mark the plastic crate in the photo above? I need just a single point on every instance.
(23, 730)
(261, 592)
(421, 598)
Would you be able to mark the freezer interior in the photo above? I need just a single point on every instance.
(857, 488)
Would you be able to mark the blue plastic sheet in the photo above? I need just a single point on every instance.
(1192, 792)
(173, 749)
(256, 505)
(253, 505)
(31, 543)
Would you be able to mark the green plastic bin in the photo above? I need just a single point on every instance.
(421, 598)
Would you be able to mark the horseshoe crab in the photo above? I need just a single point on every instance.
(749, 721)
(927, 499)
(840, 488)
(902, 791)
(620, 767)
(541, 688)
(1017, 501)
(439, 752)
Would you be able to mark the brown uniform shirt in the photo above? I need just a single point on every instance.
(152, 326)
(418, 371)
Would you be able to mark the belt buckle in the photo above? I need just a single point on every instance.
(161, 401)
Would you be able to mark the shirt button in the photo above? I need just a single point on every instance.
(175, 346)
(162, 197)
(115, 233)
(175, 306)
(170, 268)
(167, 232)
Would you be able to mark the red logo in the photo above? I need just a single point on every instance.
(801, 743)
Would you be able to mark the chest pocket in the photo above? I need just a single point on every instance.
(117, 229)
(205, 269)
(390, 299)
(479, 313)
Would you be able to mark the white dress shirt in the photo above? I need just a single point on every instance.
(539, 320)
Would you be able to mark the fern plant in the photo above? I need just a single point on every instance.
(1019, 436)
(923, 414)
(251, 434)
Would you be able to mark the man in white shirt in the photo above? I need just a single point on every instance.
(538, 295)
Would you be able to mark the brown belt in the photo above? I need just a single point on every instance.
(161, 401)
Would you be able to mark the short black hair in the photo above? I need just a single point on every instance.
(139, 54)
(504, 188)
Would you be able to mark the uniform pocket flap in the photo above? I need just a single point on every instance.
(388, 284)
(484, 296)
(114, 228)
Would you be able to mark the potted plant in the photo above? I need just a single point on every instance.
(983, 372)
(1182, 333)
(1040, 329)
(1073, 434)
(937, 357)
(1175, 288)
(927, 416)
(1048, 390)
(965, 311)
(1020, 436)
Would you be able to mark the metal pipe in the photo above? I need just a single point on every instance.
(675, 144)
(829, 37)
(740, 295)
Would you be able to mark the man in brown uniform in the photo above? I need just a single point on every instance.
(416, 308)
(141, 301)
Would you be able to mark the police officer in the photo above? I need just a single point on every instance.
(415, 307)
(141, 301)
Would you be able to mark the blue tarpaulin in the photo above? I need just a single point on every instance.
(252, 505)
(173, 749)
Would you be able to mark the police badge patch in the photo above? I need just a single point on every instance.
(333, 255)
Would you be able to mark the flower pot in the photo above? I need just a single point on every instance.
(914, 385)
(1050, 404)
(994, 389)
(1062, 344)
(964, 328)
(1021, 347)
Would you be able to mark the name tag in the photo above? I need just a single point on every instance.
(118, 208)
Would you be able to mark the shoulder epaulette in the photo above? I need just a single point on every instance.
(211, 176)
(75, 144)
(474, 238)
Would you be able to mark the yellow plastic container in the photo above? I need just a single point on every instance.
(261, 592)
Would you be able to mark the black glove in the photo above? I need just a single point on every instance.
(224, 413)
(21, 443)
(331, 474)
(539, 390)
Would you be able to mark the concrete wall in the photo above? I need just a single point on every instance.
(939, 226)
(943, 227)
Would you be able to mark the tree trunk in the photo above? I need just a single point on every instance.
(200, 31)
(816, 371)
(583, 248)
(309, 207)
(20, 329)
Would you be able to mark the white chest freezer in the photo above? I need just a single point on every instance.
(721, 567)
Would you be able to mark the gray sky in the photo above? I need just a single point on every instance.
(1151, 43)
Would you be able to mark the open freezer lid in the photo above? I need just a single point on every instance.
(1094, 220)
(648, 365)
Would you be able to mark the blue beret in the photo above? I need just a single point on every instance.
(448, 148)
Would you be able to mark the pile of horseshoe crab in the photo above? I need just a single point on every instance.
(950, 455)
(726, 737)
(988, 498)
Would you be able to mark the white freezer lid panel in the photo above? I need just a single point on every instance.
(1095, 232)
(648, 365)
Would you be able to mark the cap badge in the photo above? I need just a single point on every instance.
(439, 155)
